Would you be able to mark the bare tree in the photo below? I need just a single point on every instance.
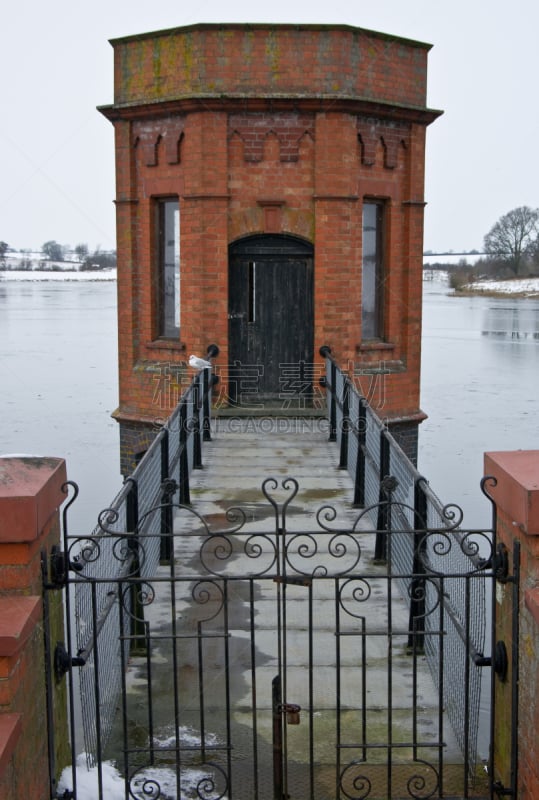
(3, 250)
(53, 250)
(513, 237)
(82, 251)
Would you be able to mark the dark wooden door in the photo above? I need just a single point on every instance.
(271, 321)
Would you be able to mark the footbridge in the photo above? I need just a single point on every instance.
(280, 606)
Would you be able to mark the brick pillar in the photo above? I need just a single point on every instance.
(517, 498)
(30, 497)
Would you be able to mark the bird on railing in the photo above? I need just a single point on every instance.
(198, 363)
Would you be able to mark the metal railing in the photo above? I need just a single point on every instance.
(142, 507)
(424, 547)
(420, 558)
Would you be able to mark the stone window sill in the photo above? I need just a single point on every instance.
(167, 344)
(366, 347)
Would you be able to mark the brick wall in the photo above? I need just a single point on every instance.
(516, 494)
(261, 60)
(30, 495)
(265, 129)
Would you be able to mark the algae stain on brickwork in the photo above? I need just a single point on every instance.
(225, 47)
(273, 55)
(157, 68)
(130, 71)
(187, 58)
(247, 48)
(302, 221)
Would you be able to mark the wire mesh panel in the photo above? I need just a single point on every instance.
(191, 423)
(100, 677)
(113, 566)
(403, 550)
(436, 565)
(354, 448)
(372, 458)
(339, 395)
(149, 477)
(102, 557)
(462, 602)
(174, 443)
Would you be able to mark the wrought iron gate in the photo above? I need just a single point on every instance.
(241, 658)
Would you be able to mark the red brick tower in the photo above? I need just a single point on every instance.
(269, 199)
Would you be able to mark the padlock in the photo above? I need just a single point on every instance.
(292, 714)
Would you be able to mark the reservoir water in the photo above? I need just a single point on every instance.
(59, 385)
(58, 355)
(479, 387)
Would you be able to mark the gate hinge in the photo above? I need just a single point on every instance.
(501, 563)
(60, 566)
(63, 661)
(501, 790)
(501, 662)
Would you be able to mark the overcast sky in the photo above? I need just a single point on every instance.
(57, 151)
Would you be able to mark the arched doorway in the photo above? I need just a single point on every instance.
(271, 321)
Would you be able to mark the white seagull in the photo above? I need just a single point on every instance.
(198, 363)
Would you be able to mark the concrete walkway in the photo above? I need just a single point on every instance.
(245, 451)
(334, 627)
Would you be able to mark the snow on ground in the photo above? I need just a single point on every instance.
(525, 287)
(48, 275)
(435, 275)
(528, 286)
(521, 286)
(87, 781)
(150, 782)
(156, 781)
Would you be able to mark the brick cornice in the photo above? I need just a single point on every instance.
(229, 103)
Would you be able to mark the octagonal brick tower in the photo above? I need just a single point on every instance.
(270, 198)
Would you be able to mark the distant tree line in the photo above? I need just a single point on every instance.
(98, 259)
(511, 250)
(512, 244)
(52, 251)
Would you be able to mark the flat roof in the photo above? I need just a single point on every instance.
(300, 26)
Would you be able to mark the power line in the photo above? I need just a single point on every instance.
(452, 253)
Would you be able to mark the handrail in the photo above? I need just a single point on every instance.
(140, 509)
(412, 525)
